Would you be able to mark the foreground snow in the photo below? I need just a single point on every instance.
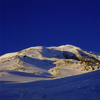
(79, 87)
(50, 73)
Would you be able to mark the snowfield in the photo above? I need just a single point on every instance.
(50, 73)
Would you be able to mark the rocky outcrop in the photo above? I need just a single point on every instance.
(55, 71)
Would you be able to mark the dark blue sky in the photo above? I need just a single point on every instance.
(27, 23)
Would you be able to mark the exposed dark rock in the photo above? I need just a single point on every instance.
(24, 56)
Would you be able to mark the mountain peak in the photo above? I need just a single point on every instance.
(52, 66)
(54, 54)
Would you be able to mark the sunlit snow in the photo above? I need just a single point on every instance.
(50, 73)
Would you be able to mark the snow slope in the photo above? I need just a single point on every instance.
(79, 87)
(50, 73)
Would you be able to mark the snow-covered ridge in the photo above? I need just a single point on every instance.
(8, 55)
(50, 73)
(51, 51)
(46, 56)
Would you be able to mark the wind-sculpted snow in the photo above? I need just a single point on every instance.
(48, 73)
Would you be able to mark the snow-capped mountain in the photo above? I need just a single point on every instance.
(54, 64)
(50, 60)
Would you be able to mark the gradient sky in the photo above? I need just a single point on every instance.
(27, 23)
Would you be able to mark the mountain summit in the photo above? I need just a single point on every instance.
(47, 63)
(51, 60)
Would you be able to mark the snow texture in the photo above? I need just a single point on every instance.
(50, 73)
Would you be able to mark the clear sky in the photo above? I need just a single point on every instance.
(27, 23)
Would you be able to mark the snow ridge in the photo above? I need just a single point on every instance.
(50, 69)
